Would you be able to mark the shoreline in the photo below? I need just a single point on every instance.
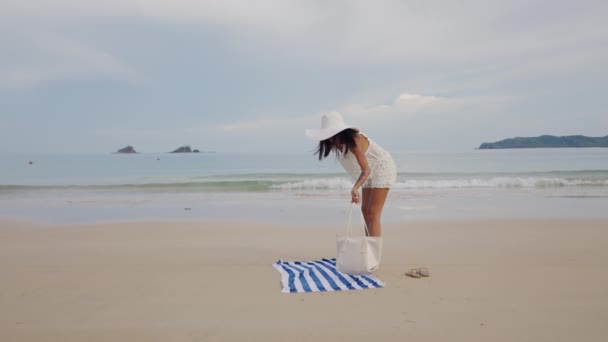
(286, 209)
(156, 280)
(8, 223)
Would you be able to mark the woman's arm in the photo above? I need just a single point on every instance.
(359, 152)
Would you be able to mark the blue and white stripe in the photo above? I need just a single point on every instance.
(320, 275)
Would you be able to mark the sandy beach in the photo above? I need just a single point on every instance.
(515, 280)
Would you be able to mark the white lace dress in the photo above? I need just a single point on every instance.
(383, 171)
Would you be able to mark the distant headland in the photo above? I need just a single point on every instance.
(547, 141)
(182, 149)
(185, 149)
(126, 149)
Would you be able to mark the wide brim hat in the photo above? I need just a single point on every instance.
(331, 124)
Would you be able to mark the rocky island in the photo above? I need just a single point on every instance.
(185, 149)
(127, 149)
(547, 141)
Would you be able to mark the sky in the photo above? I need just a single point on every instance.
(251, 76)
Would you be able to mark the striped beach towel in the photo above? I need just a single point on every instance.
(320, 275)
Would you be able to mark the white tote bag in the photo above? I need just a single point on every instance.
(357, 254)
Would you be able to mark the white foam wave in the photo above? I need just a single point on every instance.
(316, 184)
(495, 182)
(498, 182)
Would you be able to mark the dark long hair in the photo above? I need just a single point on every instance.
(345, 138)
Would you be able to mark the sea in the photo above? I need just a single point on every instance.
(297, 188)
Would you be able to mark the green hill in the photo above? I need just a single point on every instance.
(547, 141)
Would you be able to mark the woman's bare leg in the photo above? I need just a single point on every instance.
(372, 204)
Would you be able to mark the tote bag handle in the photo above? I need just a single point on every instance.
(349, 228)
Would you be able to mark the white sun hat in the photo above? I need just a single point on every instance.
(331, 124)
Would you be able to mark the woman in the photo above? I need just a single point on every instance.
(369, 165)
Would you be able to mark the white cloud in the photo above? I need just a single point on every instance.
(268, 15)
(415, 102)
(405, 106)
(426, 120)
(408, 105)
(268, 124)
(461, 62)
(47, 56)
(445, 36)
(367, 30)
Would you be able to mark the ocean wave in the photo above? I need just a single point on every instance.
(316, 184)
(240, 185)
(319, 183)
(495, 182)
(499, 182)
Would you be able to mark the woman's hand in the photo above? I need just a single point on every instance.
(354, 194)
